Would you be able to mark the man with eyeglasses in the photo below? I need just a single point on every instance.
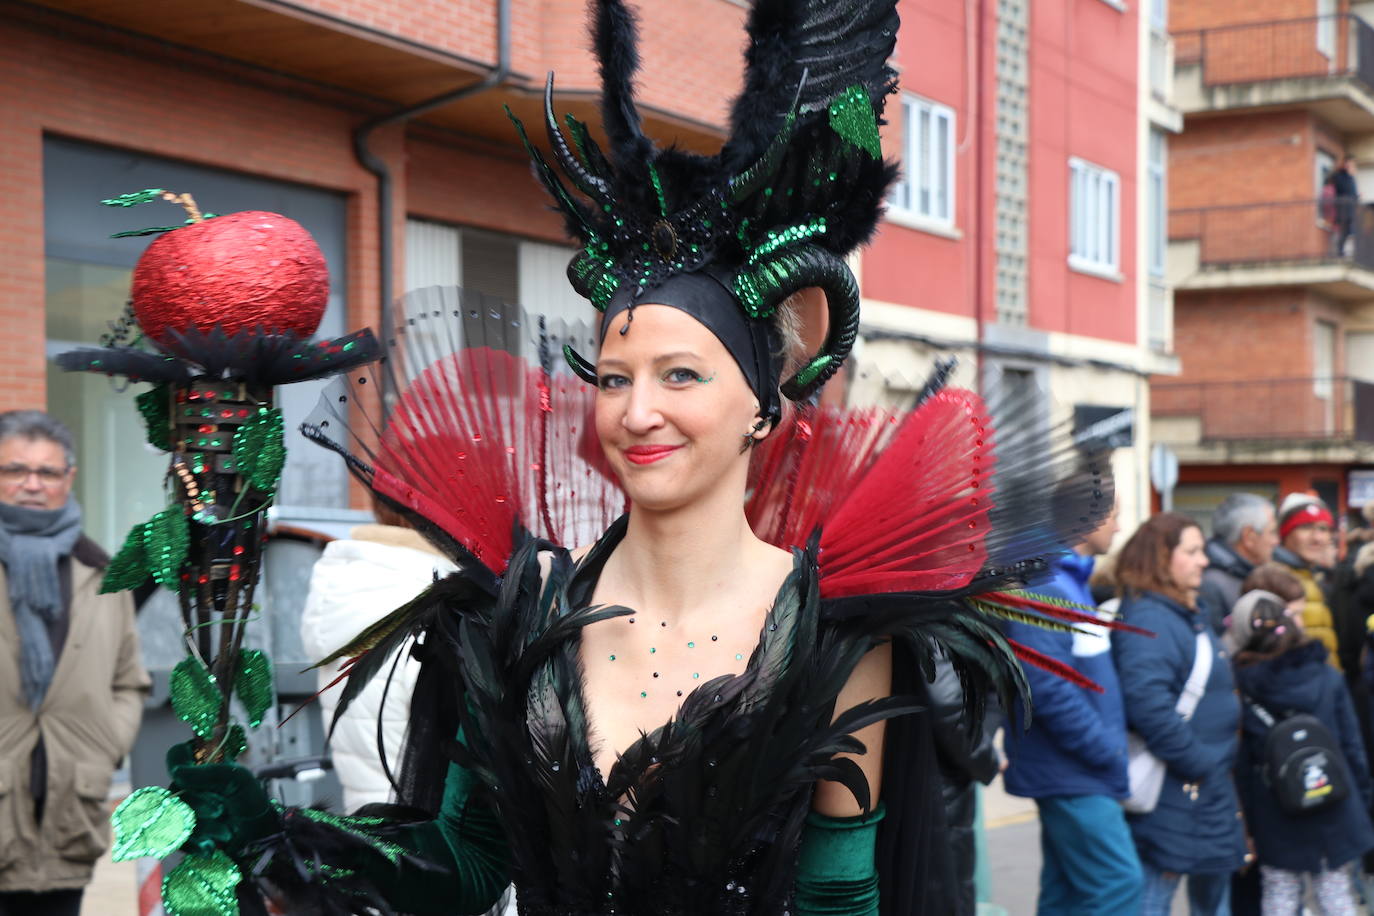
(71, 677)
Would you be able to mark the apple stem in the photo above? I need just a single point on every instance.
(187, 201)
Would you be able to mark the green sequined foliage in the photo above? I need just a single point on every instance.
(253, 683)
(259, 449)
(234, 744)
(202, 885)
(167, 538)
(153, 404)
(134, 198)
(129, 568)
(151, 822)
(852, 117)
(195, 697)
(352, 824)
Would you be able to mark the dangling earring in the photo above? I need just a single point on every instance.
(750, 437)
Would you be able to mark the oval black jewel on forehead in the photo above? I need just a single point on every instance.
(665, 239)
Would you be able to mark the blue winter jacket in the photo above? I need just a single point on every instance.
(1300, 680)
(1076, 743)
(1196, 828)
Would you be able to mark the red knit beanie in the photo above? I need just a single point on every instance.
(1300, 509)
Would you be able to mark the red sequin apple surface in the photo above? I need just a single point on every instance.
(239, 271)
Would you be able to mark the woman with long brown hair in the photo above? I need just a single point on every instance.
(1180, 700)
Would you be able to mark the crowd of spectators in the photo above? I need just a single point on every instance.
(1242, 685)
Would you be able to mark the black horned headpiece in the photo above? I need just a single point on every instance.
(798, 185)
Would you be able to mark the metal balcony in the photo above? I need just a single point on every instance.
(1292, 411)
(1322, 62)
(1274, 243)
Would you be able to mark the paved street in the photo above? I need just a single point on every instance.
(112, 892)
(1013, 842)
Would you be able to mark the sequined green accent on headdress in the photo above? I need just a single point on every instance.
(151, 822)
(798, 184)
(852, 117)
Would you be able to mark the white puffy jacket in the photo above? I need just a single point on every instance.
(355, 583)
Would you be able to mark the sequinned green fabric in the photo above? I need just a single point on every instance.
(836, 874)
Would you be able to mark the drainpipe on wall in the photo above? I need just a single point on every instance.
(979, 206)
(369, 160)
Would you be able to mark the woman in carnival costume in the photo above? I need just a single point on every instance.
(707, 709)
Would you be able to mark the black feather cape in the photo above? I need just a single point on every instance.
(702, 815)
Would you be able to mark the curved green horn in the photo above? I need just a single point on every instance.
(763, 286)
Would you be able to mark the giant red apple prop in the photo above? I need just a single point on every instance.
(239, 271)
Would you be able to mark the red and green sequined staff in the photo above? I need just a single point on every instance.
(220, 315)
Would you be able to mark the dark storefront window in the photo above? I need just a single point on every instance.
(88, 277)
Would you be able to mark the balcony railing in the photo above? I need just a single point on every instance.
(1284, 232)
(1315, 46)
(1322, 408)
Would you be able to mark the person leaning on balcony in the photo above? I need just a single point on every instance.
(1346, 194)
(1305, 547)
(1244, 535)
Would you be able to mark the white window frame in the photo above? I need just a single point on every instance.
(1326, 28)
(1157, 195)
(1323, 164)
(1324, 337)
(1159, 15)
(919, 200)
(1094, 219)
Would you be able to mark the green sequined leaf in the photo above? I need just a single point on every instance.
(253, 683)
(167, 538)
(153, 404)
(235, 743)
(134, 198)
(852, 117)
(202, 885)
(195, 697)
(260, 450)
(136, 233)
(151, 822)
(129, 568)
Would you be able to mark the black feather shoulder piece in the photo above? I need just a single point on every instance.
(797, 185)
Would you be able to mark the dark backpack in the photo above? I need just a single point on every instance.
(1302, 763)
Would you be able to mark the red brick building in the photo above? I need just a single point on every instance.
(1274, 309)
(1016, 241)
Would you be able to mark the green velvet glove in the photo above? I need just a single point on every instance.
(465, 841)
(836, 873)
(232, 808)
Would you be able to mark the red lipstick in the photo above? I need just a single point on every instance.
(648, 454)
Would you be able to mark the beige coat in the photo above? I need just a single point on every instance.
(88, 720)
